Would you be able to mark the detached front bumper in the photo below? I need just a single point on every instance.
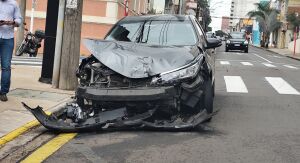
(116, 119)
(143, 107)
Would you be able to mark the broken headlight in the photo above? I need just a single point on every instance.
(177, 75)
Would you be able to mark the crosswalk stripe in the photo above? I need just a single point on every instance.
(281, 86)
(247, 63)
(268, 65)
(291, 67)
(235, 84)
(27, 63)
(224, 63)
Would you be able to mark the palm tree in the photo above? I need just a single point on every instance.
(294, 20)
(267, 19)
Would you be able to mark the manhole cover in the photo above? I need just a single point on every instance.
(41, 95)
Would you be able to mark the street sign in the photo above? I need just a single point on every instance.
(71, 4)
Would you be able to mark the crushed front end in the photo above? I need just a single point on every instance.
(106, 99)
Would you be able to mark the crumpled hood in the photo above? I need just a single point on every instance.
(139, 60)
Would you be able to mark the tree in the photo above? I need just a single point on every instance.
(267, 19)
(294, 20)
(203, 11)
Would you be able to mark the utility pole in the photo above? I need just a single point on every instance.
(71, 45)
(20, 33)
(58, 44)
(180, 7)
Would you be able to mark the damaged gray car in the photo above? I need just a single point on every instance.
(149, 72)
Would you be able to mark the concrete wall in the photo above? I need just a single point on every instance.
(291, 46)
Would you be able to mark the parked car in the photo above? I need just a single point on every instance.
(237, 41)
(149, 71)
(210, 35)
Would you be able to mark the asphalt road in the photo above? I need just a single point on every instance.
(257, 95)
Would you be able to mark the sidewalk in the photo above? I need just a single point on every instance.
(26, 88)
(284, 52)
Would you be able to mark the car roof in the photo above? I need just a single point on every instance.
(155, 17)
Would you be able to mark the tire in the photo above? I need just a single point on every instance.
(21, 49)
(214, 88)
(209, 98)
(34, 54)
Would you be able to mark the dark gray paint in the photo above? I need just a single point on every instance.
(135, 60)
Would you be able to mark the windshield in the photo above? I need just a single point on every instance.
(155, 33)
(237, 35)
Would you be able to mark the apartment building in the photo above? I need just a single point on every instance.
(225, 24)
(239, 10)
(98, 16)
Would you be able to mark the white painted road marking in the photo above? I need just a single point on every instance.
(224, 63)
(281, 86)
(247, 63)
(235, 84)
(268, 65)
(291, 67)
(262, 58)
(275, 56)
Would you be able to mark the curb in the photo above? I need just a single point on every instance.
(19, 131)
(276, 52)
(298, 59)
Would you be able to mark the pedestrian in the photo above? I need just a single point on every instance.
(10, 17)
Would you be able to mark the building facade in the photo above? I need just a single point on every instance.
(292, 7)
(238, 12)
(225, 24)
(98, 16)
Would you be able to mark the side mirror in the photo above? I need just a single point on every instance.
(213, 43)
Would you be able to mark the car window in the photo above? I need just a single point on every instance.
(237, 35)
(198, 26)
(125, 32)
(155, 33)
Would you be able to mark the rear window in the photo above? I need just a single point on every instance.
(237, 35)
(155, 33)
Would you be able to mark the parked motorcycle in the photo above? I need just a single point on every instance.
(31, 43)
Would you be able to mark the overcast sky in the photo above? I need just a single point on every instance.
(219, 8)
(159, 5)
